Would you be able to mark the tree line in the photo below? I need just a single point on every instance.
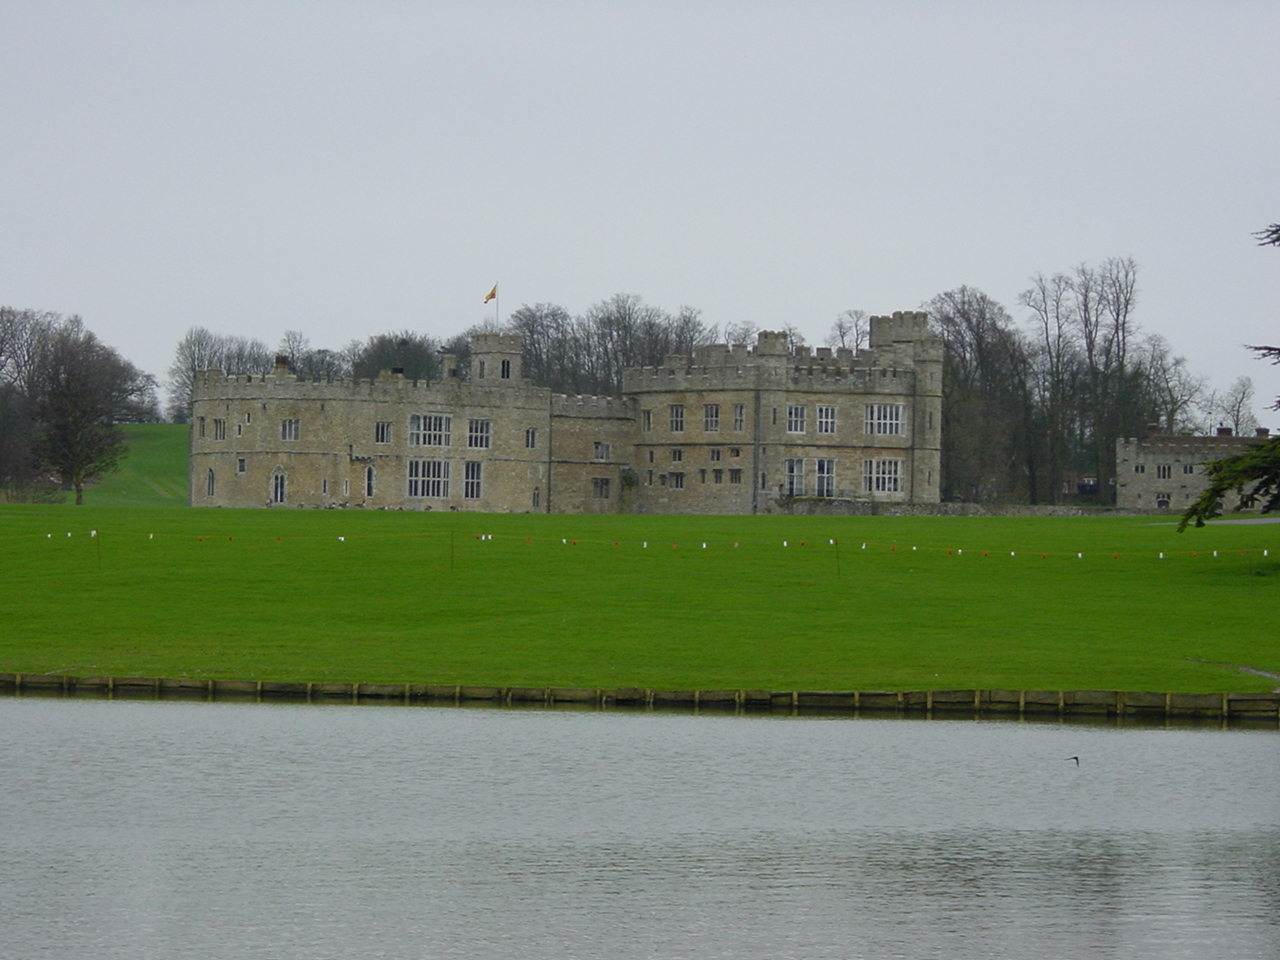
(1031, 410)
(576, 355)
(63, 394)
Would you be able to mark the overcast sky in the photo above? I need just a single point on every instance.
(350, 168)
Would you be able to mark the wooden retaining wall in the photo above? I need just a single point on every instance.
(1080, 703)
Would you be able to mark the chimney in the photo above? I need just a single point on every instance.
(282, 363)
(1224, 431)
(1262, 432)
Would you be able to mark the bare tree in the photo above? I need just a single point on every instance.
(1175, 392)
(201, 349)
(1233, 407)
(850, 331)
(985, 455)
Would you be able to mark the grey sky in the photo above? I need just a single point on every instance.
(348, 168)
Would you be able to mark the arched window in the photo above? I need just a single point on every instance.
(368, 481)
(278, 486)
(210, 483)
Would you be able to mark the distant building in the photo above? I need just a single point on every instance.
(733, 429)
(1165, 472)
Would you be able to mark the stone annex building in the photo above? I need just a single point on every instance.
(1166, 471)
(733, 430)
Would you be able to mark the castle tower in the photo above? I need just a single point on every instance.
(495, 359)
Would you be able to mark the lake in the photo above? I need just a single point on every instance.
(214, 830)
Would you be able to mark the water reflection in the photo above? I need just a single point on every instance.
(254, 831)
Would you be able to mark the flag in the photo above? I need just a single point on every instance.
(492, 294)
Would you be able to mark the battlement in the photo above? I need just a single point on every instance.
(496, 343)
(563, 405)
(903, 327)
(889, 368)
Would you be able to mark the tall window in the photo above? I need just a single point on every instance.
(677, 480)
(826, 478)
(600, 451)
(646, 420)
(210, 484)
(277, 488)
(471, 480)
(795, 418)
(882, 476)
(711, 418)
(677, 454)
(382, 431)
(506, 370)
(826, 419)
(290, 429)
(884, 418)
(241, 465)
(677, 417)
(1163, 471)
(600, 488)
(368, 481)
(530, 438)
(739, 417)
(735, 475)
(429, 478)
(219, 429)
(794, 486)
(715, 453)
(430, 430)
(479, 434)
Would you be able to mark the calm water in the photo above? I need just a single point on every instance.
(162, 830)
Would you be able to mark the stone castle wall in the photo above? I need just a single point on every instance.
(1166, 472)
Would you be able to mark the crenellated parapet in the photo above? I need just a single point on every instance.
(563, 405)
(890, 366)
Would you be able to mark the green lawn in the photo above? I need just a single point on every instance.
(153, 473)
(929, 603)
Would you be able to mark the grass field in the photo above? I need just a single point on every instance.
(927, 603)
(153, 474)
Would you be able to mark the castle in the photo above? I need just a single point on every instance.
(1162, 472)
(734, 429)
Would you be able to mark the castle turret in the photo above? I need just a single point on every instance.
(495, 358)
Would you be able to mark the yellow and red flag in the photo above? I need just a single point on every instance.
(491, 294)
